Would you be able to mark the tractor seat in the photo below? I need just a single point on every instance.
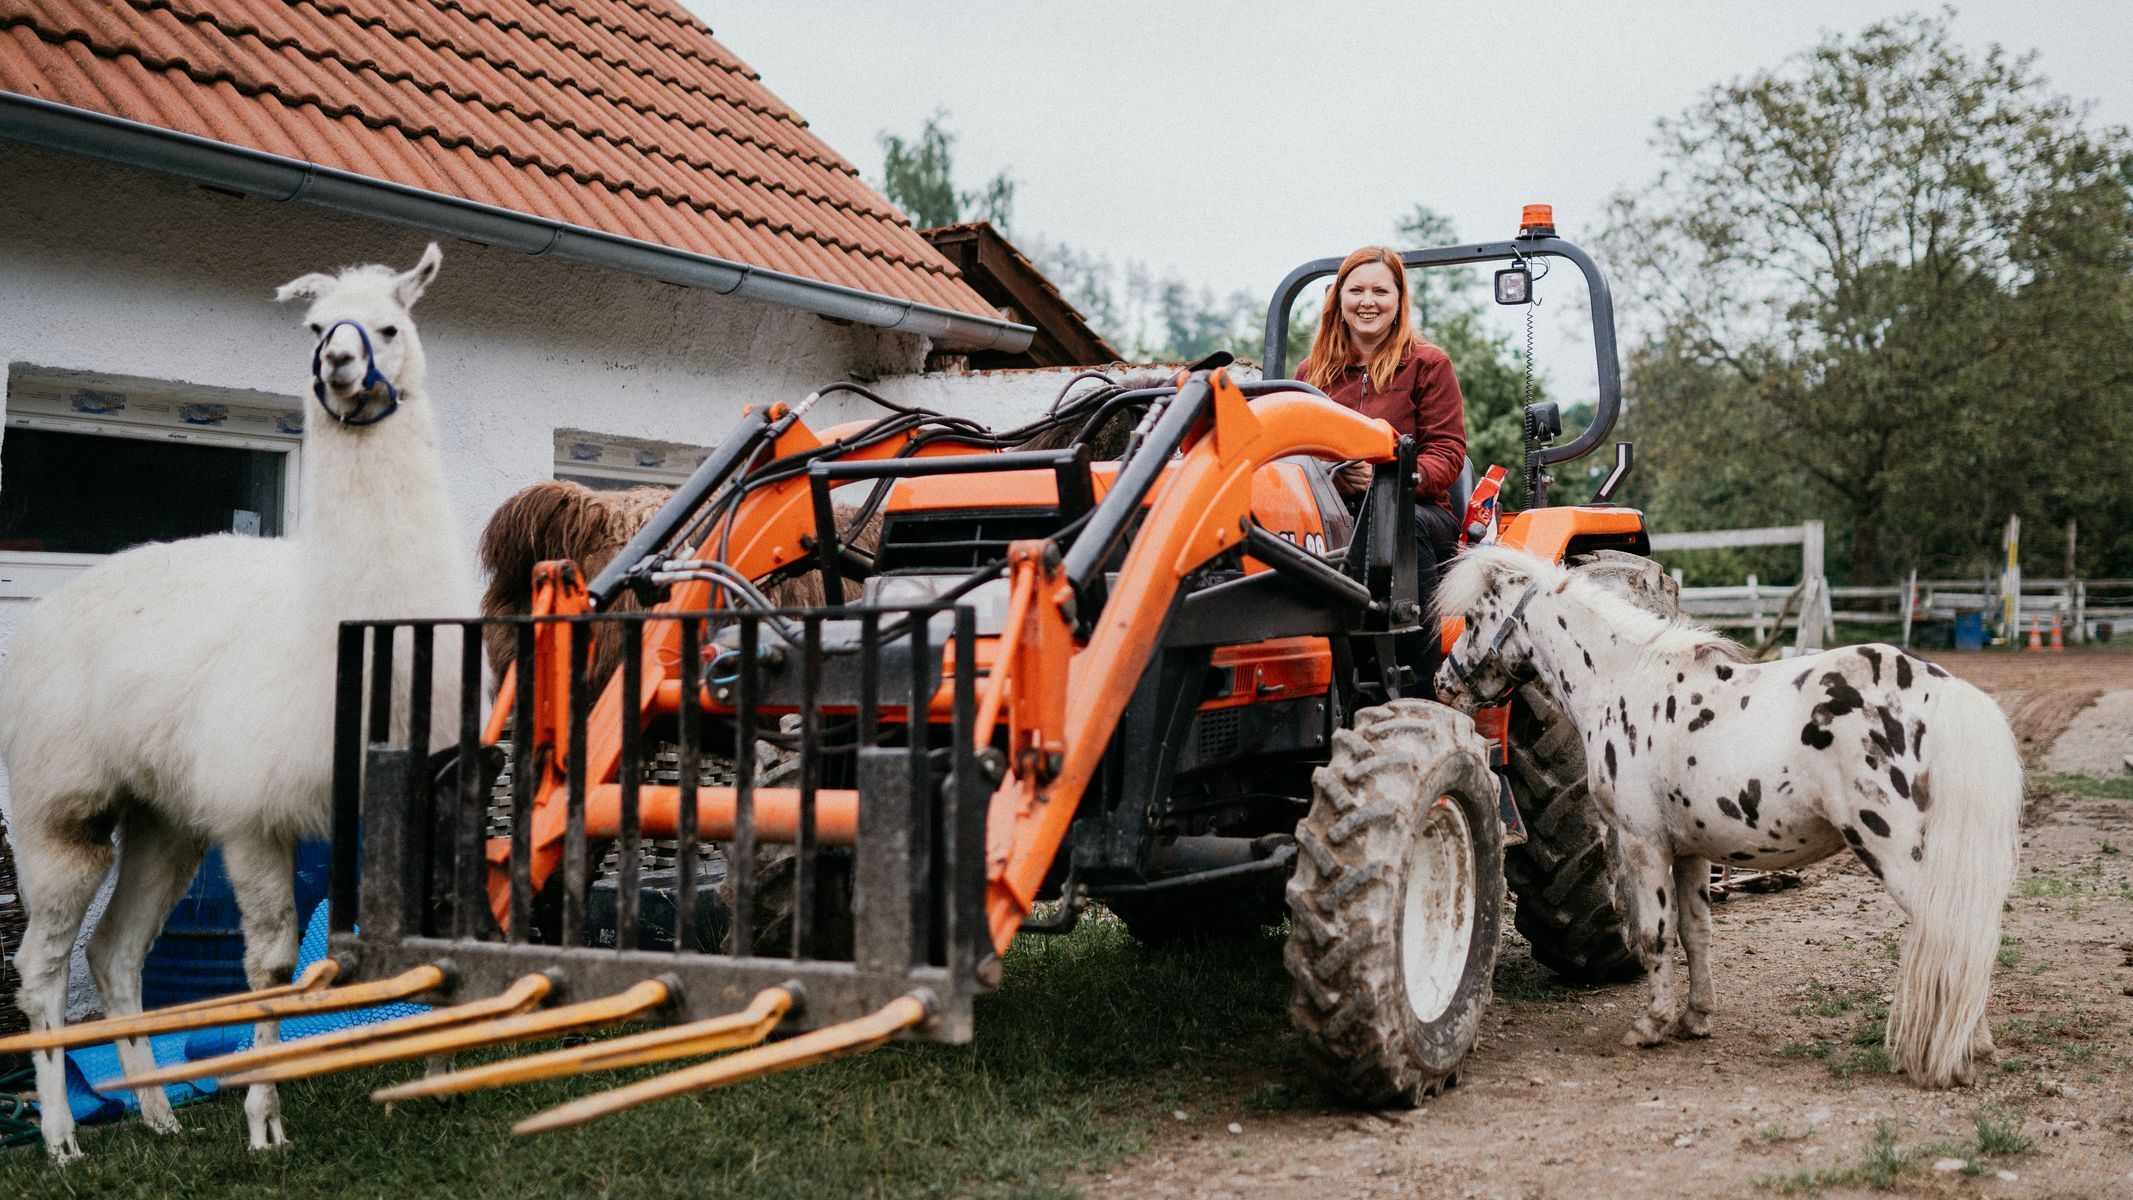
(1463, 489)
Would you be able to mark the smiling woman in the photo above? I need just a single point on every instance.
(1367, 356)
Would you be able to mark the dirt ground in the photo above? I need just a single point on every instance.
(1787, 1096)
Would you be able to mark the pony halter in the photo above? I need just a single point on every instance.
(1465, 672)
(374, 386)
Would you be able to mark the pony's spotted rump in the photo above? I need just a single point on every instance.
(1777, 765)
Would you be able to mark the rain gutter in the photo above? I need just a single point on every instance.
(97, 135)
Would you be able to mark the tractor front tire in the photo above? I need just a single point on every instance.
(1564, 875)
(1396, 906)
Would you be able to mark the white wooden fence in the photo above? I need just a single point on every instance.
(1760, 608)
(2083, 607)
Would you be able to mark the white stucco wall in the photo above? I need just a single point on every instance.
(108, 269)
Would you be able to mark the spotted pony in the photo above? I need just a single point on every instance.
(1696, 755)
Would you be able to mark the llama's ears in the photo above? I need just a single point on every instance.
(409, 287)
(303, 287)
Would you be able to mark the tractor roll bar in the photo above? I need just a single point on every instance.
(1603, 320)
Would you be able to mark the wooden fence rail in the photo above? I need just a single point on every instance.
(2084, 608)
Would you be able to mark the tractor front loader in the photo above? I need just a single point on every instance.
(1185, 681)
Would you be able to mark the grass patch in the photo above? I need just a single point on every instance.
(1826, 1001)
(1089, 1040)
(1999, 1133)
(2066, 1038)
(2053, 887)
(1865, 1051)
(1883, 1165)
(1862, 1051)
(2010, 951)
(2111, 789)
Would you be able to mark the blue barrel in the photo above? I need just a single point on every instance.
(1970, 631)
(200, 952)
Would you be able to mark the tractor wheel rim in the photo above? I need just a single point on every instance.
(1437, 911)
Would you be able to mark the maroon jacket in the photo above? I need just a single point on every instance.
(1424, 402)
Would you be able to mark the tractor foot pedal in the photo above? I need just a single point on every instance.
(515, 999)
(268, 1004)
(864, 1033)
(733, 1031)
(1514, 826)
(633, 1001)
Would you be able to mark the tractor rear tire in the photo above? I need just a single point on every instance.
(1564, 875)
(1396, 905)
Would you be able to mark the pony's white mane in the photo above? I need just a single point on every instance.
(1481, 570)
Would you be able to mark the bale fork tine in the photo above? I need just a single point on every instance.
(636, 1000)
(241, 1010)
(731, 1031)
(520, 996)
(863, 1033)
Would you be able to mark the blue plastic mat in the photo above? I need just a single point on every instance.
(93, 1065)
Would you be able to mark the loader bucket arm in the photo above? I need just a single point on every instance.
(1198, 509)
(769, 530)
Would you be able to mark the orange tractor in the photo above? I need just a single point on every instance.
(1183, 680)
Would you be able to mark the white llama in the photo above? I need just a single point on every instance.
(180, 695)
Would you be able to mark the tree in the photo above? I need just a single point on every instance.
(1889, 284)
(918, 176)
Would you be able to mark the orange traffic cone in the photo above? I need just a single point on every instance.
(2058, 643)
(2036, 639)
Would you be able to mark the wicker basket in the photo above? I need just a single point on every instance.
(13, 920)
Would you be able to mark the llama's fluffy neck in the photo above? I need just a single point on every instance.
(378, 535)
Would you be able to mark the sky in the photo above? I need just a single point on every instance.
(1226, 141)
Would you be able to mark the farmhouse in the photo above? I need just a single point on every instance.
(640, 238)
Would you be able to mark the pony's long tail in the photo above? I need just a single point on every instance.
(1970, 787)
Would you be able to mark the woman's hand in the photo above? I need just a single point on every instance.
(1352, 477)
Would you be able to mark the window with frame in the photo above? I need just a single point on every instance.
(91, 464)
(605, 462)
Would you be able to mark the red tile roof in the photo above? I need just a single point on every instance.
(621, 116)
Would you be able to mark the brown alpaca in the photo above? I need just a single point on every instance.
(560, 519)
(552, 520)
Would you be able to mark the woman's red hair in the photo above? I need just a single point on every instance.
(1333, 351)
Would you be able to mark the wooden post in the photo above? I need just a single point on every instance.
(2073, 585)
(1807, 634)
(2011, 586)
(1755, 608)
(1817, 592)
(1910, 605)
(2081, 610)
